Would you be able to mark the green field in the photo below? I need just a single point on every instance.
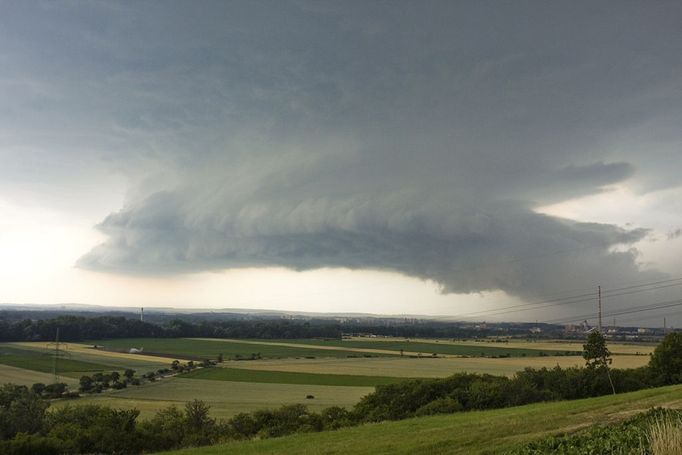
(196, 349)
(43, 361)
(226, 398)
(286, 377)
(461, 433)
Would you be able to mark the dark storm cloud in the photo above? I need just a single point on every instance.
(403, 136)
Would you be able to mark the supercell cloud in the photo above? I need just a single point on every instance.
(374, 135)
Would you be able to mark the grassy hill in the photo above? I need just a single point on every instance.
(472, 432)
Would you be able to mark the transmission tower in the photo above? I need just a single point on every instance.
(599, 302)
(56, 357)
(58, 352)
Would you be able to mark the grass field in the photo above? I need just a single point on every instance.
(202, 348)
(460, 433)
(43, 360)
(226, 398)
(286, 377)
(406, 367)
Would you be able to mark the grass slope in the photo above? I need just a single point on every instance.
(462, 433)
(285, 377)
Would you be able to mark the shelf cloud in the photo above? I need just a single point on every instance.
(386, 136)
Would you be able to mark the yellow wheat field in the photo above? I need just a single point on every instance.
(427, 367)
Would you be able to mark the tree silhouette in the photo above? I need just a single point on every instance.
(597, 354)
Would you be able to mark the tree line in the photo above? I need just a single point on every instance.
(34, 326)
(79, 328)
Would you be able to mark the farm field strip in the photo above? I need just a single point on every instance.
(225, 398)
(288, 377)
(459, 433)
(405, 367)
(21, 376)
(122, 359)
(427, 348)
(43, 361)
(210, 348)
(307, 346)
(545, 345)
(311, 345)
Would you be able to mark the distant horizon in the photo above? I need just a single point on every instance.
(87, 308)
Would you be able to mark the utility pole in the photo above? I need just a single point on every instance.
(142, 314)
(599, 300)
(665, 325)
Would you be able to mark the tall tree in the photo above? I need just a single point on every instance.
(597, 354)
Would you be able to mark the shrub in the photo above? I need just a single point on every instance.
(27, 444)
(21, 411)
(54, 390)
(440, 406)
(666, 361)
(336, 417)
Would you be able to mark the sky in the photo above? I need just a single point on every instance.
(437, 158)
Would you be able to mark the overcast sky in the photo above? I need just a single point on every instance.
(388, 157)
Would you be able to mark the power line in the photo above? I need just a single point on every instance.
(640, 309)
(581, 298)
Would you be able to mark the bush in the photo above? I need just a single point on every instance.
(440, 406)
(165, 431)
(54, 390)
(95, 429)
(336, 417)
(27, 444)
(243, 426)
(666, 361)
(21, 411)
